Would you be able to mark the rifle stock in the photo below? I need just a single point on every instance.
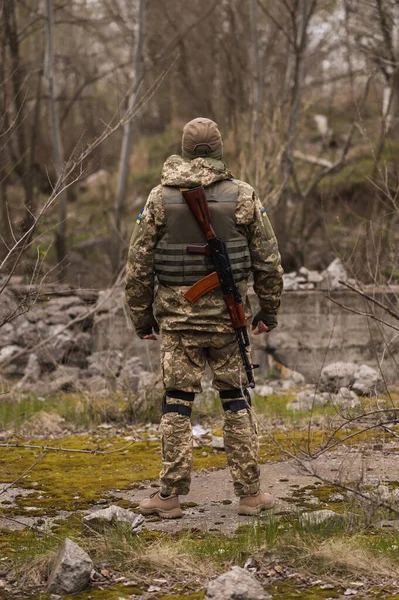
(202, 287)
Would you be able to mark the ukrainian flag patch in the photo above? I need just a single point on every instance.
(140, 217)
(263, 212)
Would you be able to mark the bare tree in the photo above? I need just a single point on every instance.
(58, 150)
(127, 139)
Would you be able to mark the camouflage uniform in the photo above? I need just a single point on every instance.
(193, 335)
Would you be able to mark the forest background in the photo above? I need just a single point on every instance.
(94, 94)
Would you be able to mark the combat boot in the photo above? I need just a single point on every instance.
(253, 505)
(166, 508)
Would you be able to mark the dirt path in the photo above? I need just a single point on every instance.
(216, 506)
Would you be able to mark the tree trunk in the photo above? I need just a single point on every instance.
(127, 139)
(258, 89)
(58, 151)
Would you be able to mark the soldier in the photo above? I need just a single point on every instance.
(193, 335)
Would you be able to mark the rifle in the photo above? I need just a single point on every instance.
(223, 274)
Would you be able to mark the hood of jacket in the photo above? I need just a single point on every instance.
(179, 172)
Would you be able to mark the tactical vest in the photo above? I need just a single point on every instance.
(172, 263)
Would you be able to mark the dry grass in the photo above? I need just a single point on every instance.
(343, 556)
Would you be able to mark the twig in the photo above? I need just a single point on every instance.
(4, 490)
(393, 314)
(362, 314)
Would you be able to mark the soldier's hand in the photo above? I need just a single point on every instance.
(152, 336)
(260, 328)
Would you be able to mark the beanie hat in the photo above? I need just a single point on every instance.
(202, 138)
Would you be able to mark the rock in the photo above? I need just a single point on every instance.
(99, 179)
(59, 345)
(366, 381)
(33, 370)
(71, 570)
(199, 431)
(315, 277)
(236, 584)
(10, 363)
(334, 272)
(106, 363)
(290, 281)
(109, 301)
(64, 379)
(346, 399)
(306, 286)
(306, 400)
(57, 305)
(217, 442)
(7, 335)
(318, 517)
(99, 520)
(264, 390)
(8, 304)
(322, 124)
(337, 375)
(130, 373)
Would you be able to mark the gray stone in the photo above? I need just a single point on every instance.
(318, 517)
(337, 375)
(314, 277)
(345, 398)
(99, 520)
(306, 400)
(10, 364)
(334, 273)
(71, 570)
(64, 379)
(32, 370)
(290, 281)
(8, 304)
(306, 286)
(264, 390)
(366, 381)
(130, 374)
(106, 363)
(236, 584)
(217, 442)
(56, 305)
(7, 335)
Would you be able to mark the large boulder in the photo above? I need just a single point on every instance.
(366, 381)
(337, 375)
(71, 570)
(236, 584)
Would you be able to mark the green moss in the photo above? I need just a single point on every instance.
(294, 590)
(179, 596)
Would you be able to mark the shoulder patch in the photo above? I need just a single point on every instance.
(140, 217)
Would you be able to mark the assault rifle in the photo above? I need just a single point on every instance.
(223, 274)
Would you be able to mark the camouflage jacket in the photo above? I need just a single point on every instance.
(146, 297)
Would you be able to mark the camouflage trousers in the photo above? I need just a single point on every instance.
(183, 359)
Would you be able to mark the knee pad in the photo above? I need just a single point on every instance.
(235, 400)
(181, 409)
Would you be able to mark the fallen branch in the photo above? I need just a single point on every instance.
(60, 449)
